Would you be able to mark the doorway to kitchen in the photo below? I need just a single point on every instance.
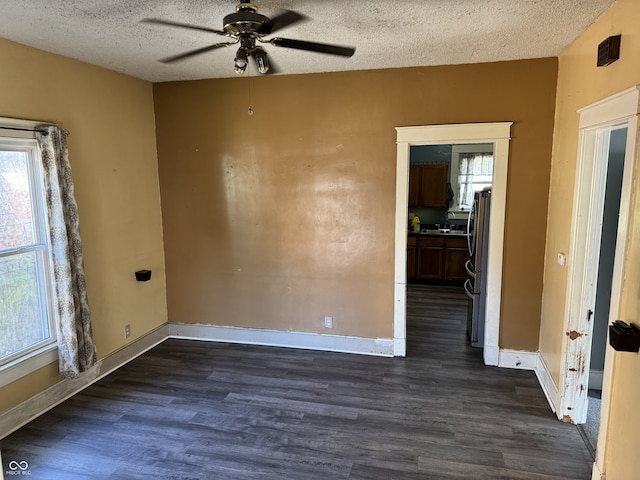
(497, 134)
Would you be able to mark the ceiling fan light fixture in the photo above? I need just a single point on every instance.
(260, 56)
(240, 62)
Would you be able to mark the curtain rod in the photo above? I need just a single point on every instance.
(43, 132)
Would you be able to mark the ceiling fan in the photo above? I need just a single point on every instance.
(246, 27)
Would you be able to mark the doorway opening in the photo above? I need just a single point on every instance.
(615, 158)
(602, 197)
(497, 134)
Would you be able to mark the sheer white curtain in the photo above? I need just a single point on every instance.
(76, 348)
(475, 173)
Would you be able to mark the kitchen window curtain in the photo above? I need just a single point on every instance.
(77, 351)
(475, 168)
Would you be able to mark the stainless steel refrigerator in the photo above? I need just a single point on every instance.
(476, 285)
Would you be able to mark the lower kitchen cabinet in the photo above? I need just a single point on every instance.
(411, 257)
(456, 255)
(437, 258)
(430, 258)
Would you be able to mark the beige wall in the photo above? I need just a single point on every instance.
(581, 83)
(278, 219)
(113, 158)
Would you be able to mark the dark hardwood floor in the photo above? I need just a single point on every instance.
(198, 410)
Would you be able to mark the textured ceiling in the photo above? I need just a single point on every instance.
(386, 33)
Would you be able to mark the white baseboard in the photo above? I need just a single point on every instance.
(596, 474)
(399, 347)
(278, 338)
(491, 355)
(35, 406)
(549, 387)
(400, 314)
(517, 359)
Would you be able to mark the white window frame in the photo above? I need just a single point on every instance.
(46, 352)
(456, 151)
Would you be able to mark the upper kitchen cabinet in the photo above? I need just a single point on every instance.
(428, 185)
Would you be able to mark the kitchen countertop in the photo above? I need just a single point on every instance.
(439, 233)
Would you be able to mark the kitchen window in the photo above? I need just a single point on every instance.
(26, 313)
(475, 173)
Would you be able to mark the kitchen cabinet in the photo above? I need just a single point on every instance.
(430, 258)
(411, 257)
(428, 185)
(415, 185)
(456, 255)
(437, 258)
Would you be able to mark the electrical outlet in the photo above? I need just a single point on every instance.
(127, 331)
(328, 322)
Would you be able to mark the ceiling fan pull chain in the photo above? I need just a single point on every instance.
(250, 111)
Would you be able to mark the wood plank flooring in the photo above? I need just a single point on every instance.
(198, 410)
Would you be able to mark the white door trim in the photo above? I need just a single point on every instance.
(595, 121)
(499, 134)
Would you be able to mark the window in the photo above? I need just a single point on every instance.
(475, 173)
(26, 315)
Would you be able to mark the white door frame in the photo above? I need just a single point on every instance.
(499, 135)
(596, 122)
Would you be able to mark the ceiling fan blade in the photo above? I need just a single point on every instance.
(168, 23)
(314, 46)
(197, 51)
(280, 21)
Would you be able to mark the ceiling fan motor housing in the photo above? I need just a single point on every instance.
(246, 19)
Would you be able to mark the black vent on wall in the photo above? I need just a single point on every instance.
(609, 51)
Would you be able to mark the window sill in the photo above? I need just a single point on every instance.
(27, 364)
(457, 214)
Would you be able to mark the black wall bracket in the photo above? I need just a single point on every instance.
(624, 337)
(143, 275)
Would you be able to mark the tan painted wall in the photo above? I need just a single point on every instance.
(581, 83)
(278, 219)
(113, 158)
